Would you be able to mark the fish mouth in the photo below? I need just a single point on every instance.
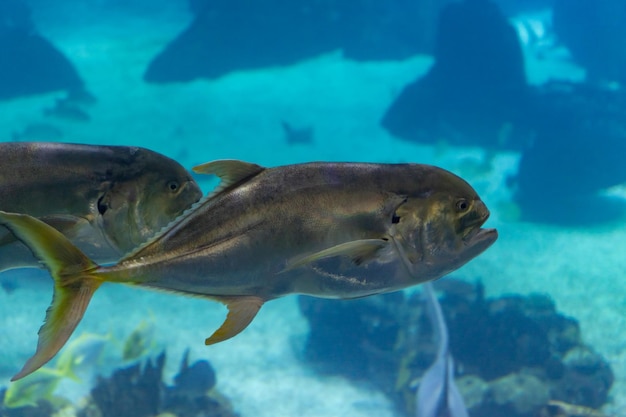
(475, 236)
(481, 238)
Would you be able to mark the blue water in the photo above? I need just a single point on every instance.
(511, 97)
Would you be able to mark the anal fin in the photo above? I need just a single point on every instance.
(241, 311)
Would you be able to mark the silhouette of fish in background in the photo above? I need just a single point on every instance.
(437, 394)
(106, 199)
(231, 35)
(298, 136)
(29, 63)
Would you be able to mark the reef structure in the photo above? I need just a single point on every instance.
(514, 355)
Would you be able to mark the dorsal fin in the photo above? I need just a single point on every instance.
(230, 172)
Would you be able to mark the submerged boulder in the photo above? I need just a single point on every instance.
(513, 354)
(476, 90)
(29, 63)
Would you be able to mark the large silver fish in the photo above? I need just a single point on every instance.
(106, 199)
(336, 230)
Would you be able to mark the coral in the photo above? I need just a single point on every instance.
(513, 354)
(520, 394)
(43, 409)
(137, 392)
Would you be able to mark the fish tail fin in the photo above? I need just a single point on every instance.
(75, 282)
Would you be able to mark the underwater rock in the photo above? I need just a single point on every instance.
(232, 35)
(372, 335)
(506, 350)
(140, 392)
(29, 63)
(476, 89)
(595, 34)
(518, 394)
(577, 151)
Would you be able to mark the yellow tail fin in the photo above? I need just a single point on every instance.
(74, 284)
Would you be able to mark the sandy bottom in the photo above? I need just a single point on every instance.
(239, 116)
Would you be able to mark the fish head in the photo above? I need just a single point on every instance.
(439, 231)
(138, 206)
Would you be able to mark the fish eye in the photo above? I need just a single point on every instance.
(462, 205)
(102, 207)
(173, 186)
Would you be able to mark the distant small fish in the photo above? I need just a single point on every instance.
(82, 354)
(79, 97)
(28, 391)
(140, 342)
(68, 111)
(295, 136)
(38, 132)
(8, 285)
(438, 395)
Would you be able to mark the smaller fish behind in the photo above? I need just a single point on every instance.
(105, 199)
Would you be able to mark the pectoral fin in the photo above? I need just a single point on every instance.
(359, 251)
(241, 311)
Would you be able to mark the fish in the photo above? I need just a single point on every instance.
(140, 342)
(293, 136)
(67, 111)
(28, 391)
(331, 230)
(81, 354)
(106, 199)
(85, 350)
(438, 395)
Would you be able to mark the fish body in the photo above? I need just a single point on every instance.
(106, 199)
(334, 230)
